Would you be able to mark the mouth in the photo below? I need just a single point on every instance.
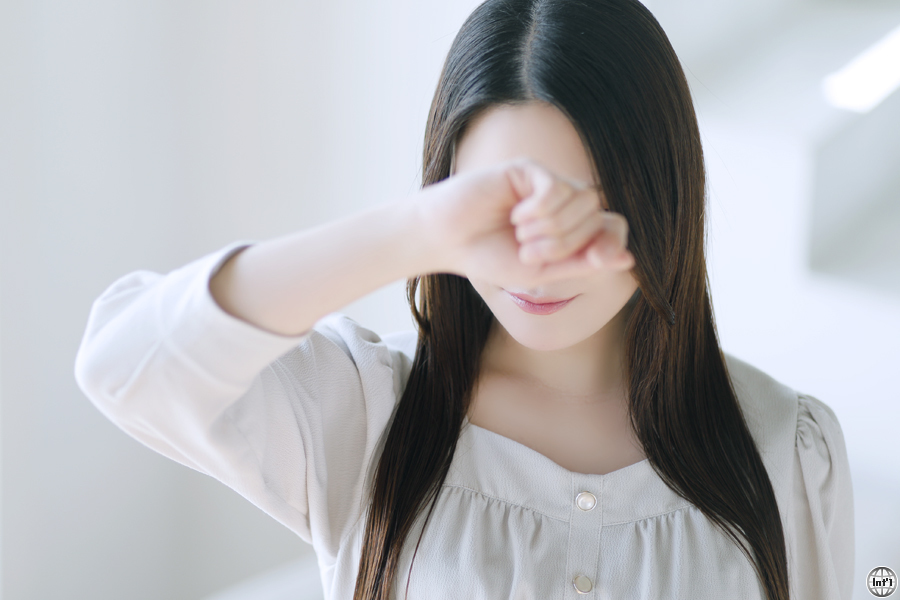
(538, 306)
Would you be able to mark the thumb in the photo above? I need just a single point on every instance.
(519, 180)
(529, 178)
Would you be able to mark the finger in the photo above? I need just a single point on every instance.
(529, 179)
(618, 260)
(616, 225)
(575, 183)
(610, 245)
(609, 232)
(577, 266)
(548, 198)
(553, 248)
(622, 260)
(611, 228)
(572, 214)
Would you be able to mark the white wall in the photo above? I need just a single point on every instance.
(141, 135)
(825, 325)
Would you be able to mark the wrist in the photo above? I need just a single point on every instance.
(425, 248)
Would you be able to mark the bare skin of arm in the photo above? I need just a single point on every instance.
(463, 224)
(285, 285)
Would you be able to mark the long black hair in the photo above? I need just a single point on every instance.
(609, 67)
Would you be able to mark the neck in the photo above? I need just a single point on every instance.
(585, 373)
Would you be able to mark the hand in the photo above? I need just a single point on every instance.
(519, 224)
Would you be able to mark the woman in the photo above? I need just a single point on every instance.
(564, 422)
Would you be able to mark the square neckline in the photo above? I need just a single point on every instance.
(496, 467)
(520, 448)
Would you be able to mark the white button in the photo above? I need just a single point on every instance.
(582, 584)
(586, 501)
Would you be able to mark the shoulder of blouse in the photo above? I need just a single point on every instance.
(396, 349)
(770, 409)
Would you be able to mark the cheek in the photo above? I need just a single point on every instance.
(607, 295)
(611, 286)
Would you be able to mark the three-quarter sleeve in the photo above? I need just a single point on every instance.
(289, 422)
(823, 557)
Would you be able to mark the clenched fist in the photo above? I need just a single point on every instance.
(519, 224)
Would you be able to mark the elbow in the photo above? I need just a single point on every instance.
(93, 376)
(116, 341)
(104, 373)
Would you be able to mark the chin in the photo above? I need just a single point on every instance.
(588, 313)
(543, 333)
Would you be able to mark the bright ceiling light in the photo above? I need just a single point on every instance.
(867, 79)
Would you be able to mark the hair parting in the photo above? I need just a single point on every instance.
(609, 67)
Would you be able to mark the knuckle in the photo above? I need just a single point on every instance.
(557, 247)
(596, 222)
(527, 231)
(554, 225)
(546, 248)
(541, 207)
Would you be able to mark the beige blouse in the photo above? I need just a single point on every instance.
(294, 425)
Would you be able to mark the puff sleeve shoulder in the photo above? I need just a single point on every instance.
(823, 559)
(289, 422)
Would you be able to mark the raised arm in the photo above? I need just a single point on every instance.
(237, 365)
(287, 284)
(461, 225)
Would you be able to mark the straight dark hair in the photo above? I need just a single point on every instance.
(609, 67)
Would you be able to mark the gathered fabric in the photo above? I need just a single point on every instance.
(295, 424)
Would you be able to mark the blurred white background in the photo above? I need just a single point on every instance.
(144, 134)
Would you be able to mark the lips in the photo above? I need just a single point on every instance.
(537, 300)
(543, 306)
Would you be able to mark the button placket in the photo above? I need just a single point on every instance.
(584, 537)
